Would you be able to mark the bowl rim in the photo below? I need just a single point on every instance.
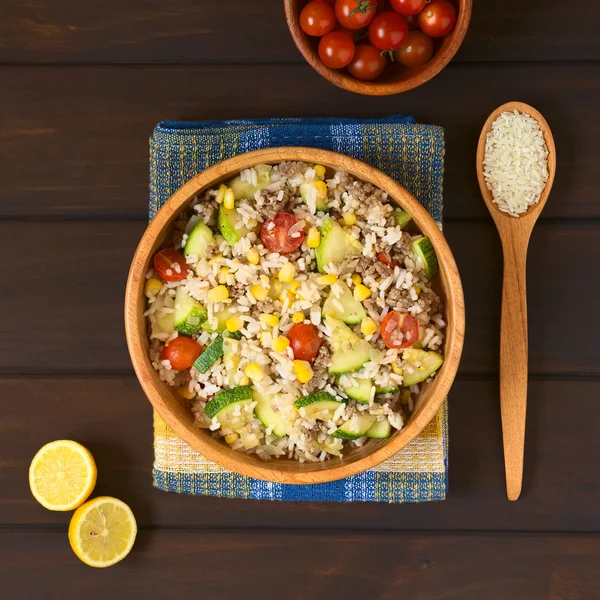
(238, 462)
(384, 88)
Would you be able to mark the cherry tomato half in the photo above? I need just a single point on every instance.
(305, 341)
(181, 352)
(336, 49)
(408, 7)
(317, 18)
(170, 265)
(355, 14)
(276, 235)
(399, 330)
(388, 30)
(386, 259)
(416, 49)
(367, 64)
(438, 19)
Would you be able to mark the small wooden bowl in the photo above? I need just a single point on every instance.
(396, 78)
(169, 405)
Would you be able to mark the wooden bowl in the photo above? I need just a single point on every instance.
(169, 404)
(396, 78)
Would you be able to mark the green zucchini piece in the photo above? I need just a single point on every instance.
(319, 405)
(244, 190)
(352, 311)
(224, 402)
(361, 392)
(214, 351)
(266, 415)
(355, 427)
(227, 222)
(308, 188)
(349, 352)
(336, 244)
(380, 430)
(199, 238)
(422, 248)
(189, 313)
(390, 389)
(402, 218)
(429, 362)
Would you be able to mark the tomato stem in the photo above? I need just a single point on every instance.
(362, 6)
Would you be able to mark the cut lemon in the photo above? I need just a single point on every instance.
(62, 475)
(102, 531)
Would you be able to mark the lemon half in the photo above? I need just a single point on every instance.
(102, 531)
(62, 475)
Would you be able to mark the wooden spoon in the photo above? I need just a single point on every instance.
(514, 234)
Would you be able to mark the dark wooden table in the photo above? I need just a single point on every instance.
(81, 86)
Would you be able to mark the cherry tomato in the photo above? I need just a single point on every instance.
(305, 341)
(408, 7)
(367, 64)
(317, 18)
(438, 19)
(388, 30)
(412, 21)
(170, 265)
(181, 352)
(336, 49)
(399, 330)
(276, 236)
(386, 259)
(355, 14)
(416, 49)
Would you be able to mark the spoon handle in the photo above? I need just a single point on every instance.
(513, 359)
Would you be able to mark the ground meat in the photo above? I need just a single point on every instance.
(291, 168)
(320, 369)
(346, 180)
(206, 209)
(398, 299)
(323, 358)
(371, 266)
(401, 248)
(431, 305)
(268, 306)
(211, 251)
(271, 204)
(371, 305)
(237, 290)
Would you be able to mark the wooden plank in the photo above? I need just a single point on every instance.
(309, 566)
(74, 140)
(229, 32)
(65, 298)
(112, 417)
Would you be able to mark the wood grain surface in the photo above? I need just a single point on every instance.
(81, 87)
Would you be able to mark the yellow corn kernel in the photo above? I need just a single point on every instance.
(287, 295)
(368, 326)
(221, 193)
(287, 272)
(295, 286)
(253, 256)
(361, 292)
(326, 279)
(152, 287)
(254, 371)
(356, 279)
(234, 324)
(417, 289)
(396, 369)
(303, 371)
(231, 438)
(269, 320)
(184, 392)
(229, 199)
(223, 273)
(259, 292)
(218, 294)
(214, 259)
(313, 239)
(243, 380)
(321, 188)
(349, 218)
(319, 170)
(265, 279)
(298, 317)
(280, 343)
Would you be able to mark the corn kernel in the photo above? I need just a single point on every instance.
(349, 218)
(218, 294)
(319, 170)
(229, 199)
(234, 324)
(417, 289)
(254, 371)
(280, 343)
(321, 188)
(396, 369)
(313, 239)
(265, 279)
(221, 193)
(185, 392)
(214, 259)
(287, 272)
(223, 273)
(269, 320)
(298, 317)
(152, 287)
(326, 279)
(287, 295)
(243, 380)
(259, 292)
(361, 292)
(231, 438)
(253, 256)
(295, 286)
(303, 371)
(356, 279)
(368, 326)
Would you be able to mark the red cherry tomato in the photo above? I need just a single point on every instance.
(317, 18)
(305, 341)
(399, 330)
(170, 265)
(181, 352)
(388, 30)
(367, 64)
(416, 49)
(408, 7)
(386, 259)
(276, 235)
(412, 21)
(355, 14)
(336, 49)
(438, 19)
